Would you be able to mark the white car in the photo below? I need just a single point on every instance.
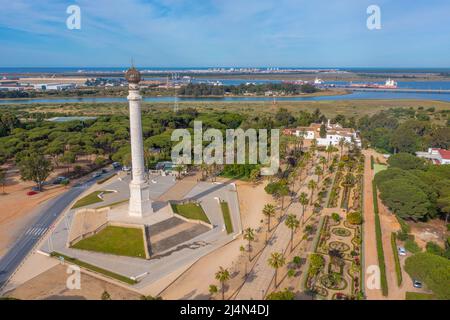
(401, 251)
(96, 174)
(126, 169)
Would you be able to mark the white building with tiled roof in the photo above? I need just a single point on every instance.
(334, 133)
(437, 156)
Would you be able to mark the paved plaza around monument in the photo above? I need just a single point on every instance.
(171, 260)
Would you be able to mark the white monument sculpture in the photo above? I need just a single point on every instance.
(140, 203)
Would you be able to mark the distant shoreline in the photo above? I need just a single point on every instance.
(306, 95)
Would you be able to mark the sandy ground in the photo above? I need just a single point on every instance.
(52, 285)
(194, 283)
(434, 230)
(16, 211)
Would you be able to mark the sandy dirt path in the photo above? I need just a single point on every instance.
(370, 249)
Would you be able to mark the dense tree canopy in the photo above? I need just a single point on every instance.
(404, 130)
(415, 193)
(433, 270)
(405, 161)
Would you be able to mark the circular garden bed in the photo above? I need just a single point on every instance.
(340, 246)
(341, 232)
(333, 281)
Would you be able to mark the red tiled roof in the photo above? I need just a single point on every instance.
(445, 154)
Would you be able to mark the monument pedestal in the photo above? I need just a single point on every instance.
(140, 203)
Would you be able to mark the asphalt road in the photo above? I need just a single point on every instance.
(45, 214)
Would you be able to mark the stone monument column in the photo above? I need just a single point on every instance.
(140, 203)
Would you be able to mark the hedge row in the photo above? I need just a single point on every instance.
(398, 268)
(380, 251)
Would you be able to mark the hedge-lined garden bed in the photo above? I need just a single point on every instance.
(378, 235)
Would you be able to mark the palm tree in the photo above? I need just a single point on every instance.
(293, 177)
(323, 161)
(249, 235)
(329, 150)
(303, 199)
(301, 165)
(223, 275)
(276, 261)
(213, 289)
(307, 156)
(292, 223)
(300, 140)
(268, 211)
(283, 191)
(341, 144)
(312, 185)
(318, 171)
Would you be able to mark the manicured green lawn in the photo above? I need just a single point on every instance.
(94, 268)
(89, 199)
(115, 240)
(191, 211)
(419, 296)
(226, 216)
(379, 167)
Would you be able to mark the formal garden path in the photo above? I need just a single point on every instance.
(370, 242)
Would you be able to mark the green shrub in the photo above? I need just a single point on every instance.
(434, 248)
(281, 295)
(402, 236)
(433, 270)
(316, 264)
(372, 162)
(378, 235)
(297, 260)
(412, 246)
(398, 268)
(405, 227)
(335, 217)
(355, 217)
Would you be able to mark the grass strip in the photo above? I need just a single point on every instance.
(226, 216)
(419, 296)
(191, 211)
(398, 268)
(93, 268)
(89, 199)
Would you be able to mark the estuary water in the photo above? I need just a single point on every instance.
(352, 96)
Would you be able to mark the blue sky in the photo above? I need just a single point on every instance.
(176, 33)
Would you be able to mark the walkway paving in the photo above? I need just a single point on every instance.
(260, 278)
